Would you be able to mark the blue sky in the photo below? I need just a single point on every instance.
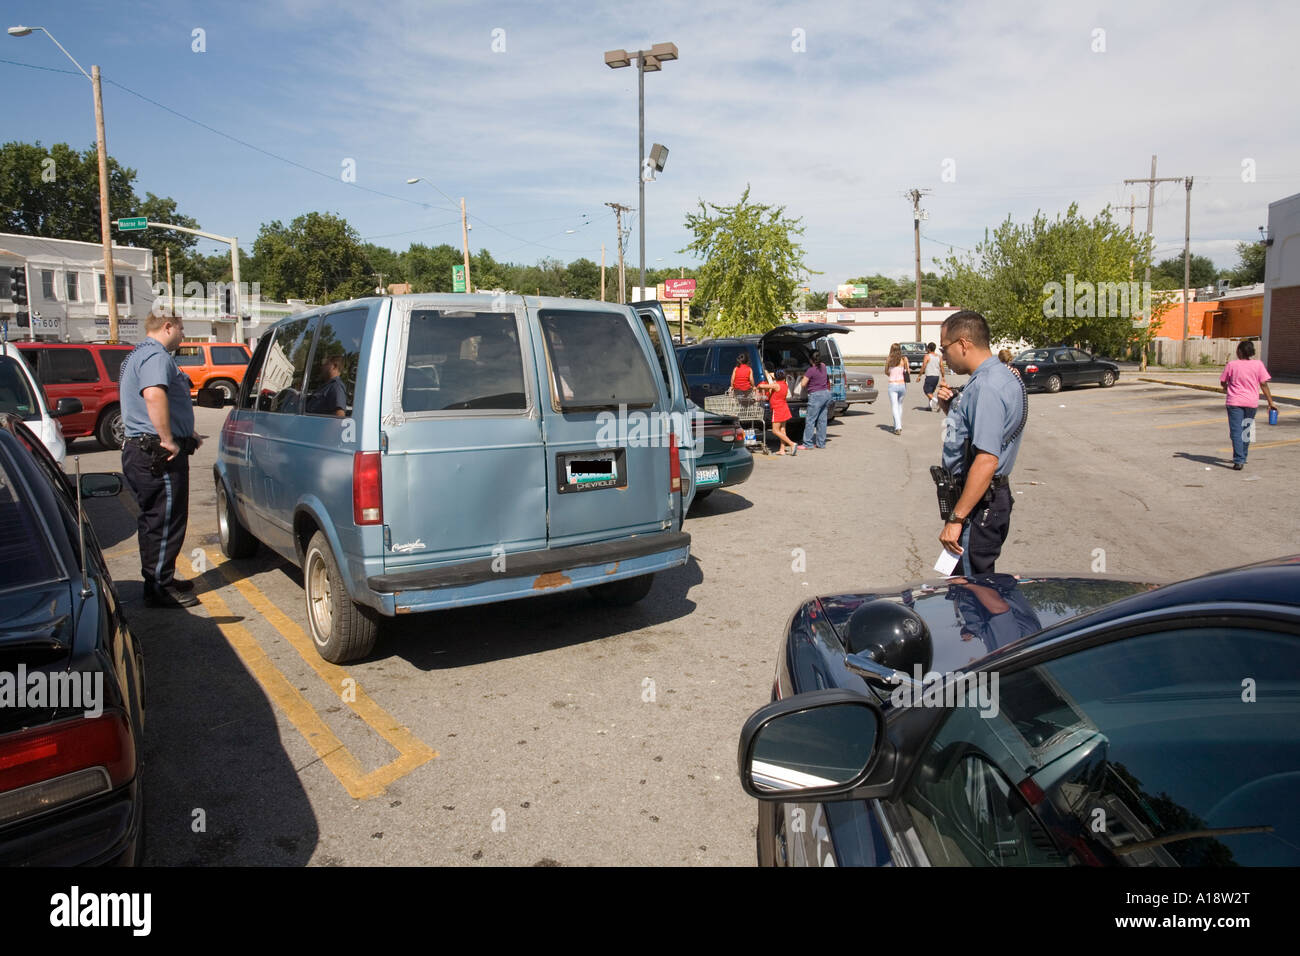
(832, 110)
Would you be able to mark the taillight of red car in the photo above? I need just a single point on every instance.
(47, 767)
(367, 488)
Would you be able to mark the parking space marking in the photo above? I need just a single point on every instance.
(1199, 421)
(1269, 444)
(1162, 408)
(300, 713)
(412, 752)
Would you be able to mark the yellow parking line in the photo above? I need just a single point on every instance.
(414, 752)
(300, 713)
(360, 785)
(1269, 444)
(1199, 421)
(1161, 408)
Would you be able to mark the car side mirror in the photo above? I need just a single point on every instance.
(101, 485)
(819, 744)
(213, 398)
(66, 406)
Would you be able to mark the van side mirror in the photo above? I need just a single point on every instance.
(213, 398)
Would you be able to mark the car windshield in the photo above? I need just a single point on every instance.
(16, 396)
(25, 556)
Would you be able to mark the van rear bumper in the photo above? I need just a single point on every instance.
(529, 574)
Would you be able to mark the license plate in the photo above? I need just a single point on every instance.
(751, 436)
(589, 470)
(803, 413)
(707, 475)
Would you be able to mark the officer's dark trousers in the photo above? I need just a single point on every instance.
(985, 533)
(164, 511)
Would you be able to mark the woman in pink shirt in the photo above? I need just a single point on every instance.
(1242, 379)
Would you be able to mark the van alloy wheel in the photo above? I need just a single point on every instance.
(341, 629)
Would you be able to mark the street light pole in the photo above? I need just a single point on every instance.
(105, 218)
(652, 60)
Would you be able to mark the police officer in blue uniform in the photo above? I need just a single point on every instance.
(159, 420)
(981, 441)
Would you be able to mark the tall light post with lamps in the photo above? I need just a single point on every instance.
(646, 61)
(105, 218)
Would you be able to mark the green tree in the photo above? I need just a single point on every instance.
(317, 257)
(384, 262)
(584, 279)
(752, 265)
(1250, 264)
(1050, 281)
(1168, 273)
(428, 269)
(55, 193)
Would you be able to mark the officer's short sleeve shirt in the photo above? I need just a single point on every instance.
(150, 365)
(988, 411)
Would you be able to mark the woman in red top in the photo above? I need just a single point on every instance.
(742, 379)
(777, 394)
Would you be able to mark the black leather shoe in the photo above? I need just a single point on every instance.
(168, 597)
(181, 584)
(1238, 466)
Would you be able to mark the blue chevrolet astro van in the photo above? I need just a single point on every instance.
(419, 452)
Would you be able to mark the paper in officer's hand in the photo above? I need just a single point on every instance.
(947, 561)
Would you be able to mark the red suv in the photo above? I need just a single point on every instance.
(88, 372)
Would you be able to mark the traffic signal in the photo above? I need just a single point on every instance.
(227, 304)
(18, 285)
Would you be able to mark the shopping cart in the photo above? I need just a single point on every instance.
(749, 410)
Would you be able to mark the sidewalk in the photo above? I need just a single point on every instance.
(1286, 390)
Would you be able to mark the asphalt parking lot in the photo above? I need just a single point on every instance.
(557, 731)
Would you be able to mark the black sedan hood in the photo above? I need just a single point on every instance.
(970, 618)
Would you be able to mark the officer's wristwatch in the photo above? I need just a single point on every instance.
(954, 519)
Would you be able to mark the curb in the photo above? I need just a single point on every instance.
(1279, 399)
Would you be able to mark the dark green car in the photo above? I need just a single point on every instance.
(723, 459)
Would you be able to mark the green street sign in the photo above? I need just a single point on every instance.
(457, 278)
(132, 225)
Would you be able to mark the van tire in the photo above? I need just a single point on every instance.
(341, 629)
(225, 386)
(236, 540)
(109, 430)
(625, 592)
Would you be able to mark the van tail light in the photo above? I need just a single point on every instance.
(674, 465)
(1031, 368)
(61, 763)
(367, 488)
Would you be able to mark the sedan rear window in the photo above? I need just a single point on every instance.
(24, 554)
(596, 360)
(463, 361)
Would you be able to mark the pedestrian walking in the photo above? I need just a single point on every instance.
(778, 391)
(1242, 379)
(896, 369)
(159, 421)
(932, 369)
(816, 385)
(982, 435)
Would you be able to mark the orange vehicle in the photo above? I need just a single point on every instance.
(218, 365)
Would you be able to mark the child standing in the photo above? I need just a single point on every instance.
(777, 393)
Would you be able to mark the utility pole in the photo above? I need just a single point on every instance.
(1151, 208)
(464, 242)
(602, 272)
(1187, 262)
(915, 196)
(1132, 205)
(618, 218)
(110, 281)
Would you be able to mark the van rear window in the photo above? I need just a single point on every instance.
(463, 361)
(596, 360)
